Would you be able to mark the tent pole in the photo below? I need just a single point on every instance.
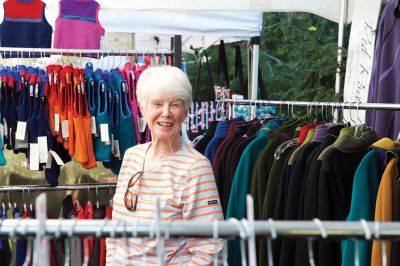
(342, 23)
(254, 70)
(176, 46)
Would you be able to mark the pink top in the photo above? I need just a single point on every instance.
(78, 26)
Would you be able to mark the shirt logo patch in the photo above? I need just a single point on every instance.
(210, 202)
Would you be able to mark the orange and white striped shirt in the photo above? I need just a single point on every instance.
(185, 184)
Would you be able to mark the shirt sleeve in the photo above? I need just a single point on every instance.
(201, 203)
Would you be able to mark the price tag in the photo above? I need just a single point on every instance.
(93, 127)
(50, 155)
(33, 156)
(43, 152)
(123, 86)
(112, 144)
(64, 129)
(55, 78)
(21, 129)
(142, 124)
(51, 78)
(104, 135)
(57, 123)
(116, 148)
(2, 134)
(31, 90)
(83, 87)
(5, 127)
(37, 90)
(78, 86)
(102, 87)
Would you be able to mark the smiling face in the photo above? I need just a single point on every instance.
(164, 116)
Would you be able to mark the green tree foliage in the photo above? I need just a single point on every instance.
(297, 58)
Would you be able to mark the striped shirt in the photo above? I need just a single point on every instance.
(185, 184)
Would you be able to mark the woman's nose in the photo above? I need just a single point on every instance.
(166, 109)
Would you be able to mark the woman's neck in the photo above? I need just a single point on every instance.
(162, 149)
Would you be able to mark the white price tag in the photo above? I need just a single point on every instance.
(83, 87)
(64, 129)
(50, 78)
(142, 124)
(55, 78)
(2, 134)
(112, 144)
(57, 123)
(105, 137)
(93, 128)
(5, 127)
(43, 152)
(37, 90)
(21, 129)
(79, 88)
(59, 161)
(31, 90)
(116, 148)
(33, 156)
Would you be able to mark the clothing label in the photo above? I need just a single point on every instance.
(5, 127)
(112, 144)
(83, 87)
(56, 123)
(102, 87)
(78, 86)
(21, 129)
(64, 129)
(104, 135)
(50, 78)
(55, 78)
(33, 156)
(31, 90)
(117, 153)
(93, 128)
(50, 155)
(2, 134)
(43, 152)
(142, 124)
(37, 90)
(123, 86)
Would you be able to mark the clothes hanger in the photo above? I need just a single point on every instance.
(242, 240)
(249, 226)
(323, 235)
(383, 243)
(273, 235)
(367, 235)
(28, 244)
(215, 237)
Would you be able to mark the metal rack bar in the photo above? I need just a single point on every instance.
(81, 52)
(42, 188)
(226, 229)
(336, 105)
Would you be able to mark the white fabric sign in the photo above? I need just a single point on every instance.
(360, 55)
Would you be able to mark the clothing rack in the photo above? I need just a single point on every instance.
(43, 188)
(335, 105)
(26, 52)
(226, 229)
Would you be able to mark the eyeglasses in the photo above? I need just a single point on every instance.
(131, 198)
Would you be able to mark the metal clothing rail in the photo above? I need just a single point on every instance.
(81, 52)
(43, 188)
(222, 229)
(335, 105)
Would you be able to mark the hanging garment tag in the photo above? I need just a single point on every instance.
(79, 88)
(31, 90)
(2, 133)
(102, 87)
(83, 87)
(55, 78)
(51, 78)
(123, 86)
(37, 90)
(112, 144)
(117, 153)
(64, 129)
(56, 123)
(33, 156)
(93, 128)
(142, 124)
(21, 129)
(105, 137)
(43, 152)
(50, 155)
(5, 127)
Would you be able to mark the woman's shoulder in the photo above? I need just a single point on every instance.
(192, 154)
(137, 149)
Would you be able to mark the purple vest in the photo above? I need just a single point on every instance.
(77, 25)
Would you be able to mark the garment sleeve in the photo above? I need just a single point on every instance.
(201, 203)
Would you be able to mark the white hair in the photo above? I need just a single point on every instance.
(168, 81)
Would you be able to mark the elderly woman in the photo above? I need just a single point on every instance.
(167, 168)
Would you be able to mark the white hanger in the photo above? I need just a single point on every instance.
(215, 238)
(383, 243)
(323, 235)
(243, 237)
(273, 235)
(249, 226)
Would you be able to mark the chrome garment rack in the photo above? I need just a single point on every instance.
(43, 188)
(43, 52)
(335, 105)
